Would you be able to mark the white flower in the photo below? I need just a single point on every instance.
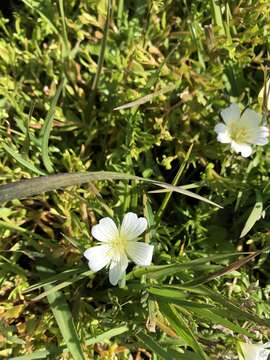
(119, 244)
(241, 131)
(254, 351)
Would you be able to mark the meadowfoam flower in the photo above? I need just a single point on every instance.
(117, 245)
(241, 130)
(254, 351)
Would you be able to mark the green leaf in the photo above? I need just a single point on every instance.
(220, 319)
(175, 297)
(159, 271)
(154, 346)
(63, 317)
(107, 335)
(181, 328)
(51, 289)
(34, 6)
(47, 127)
(23, 162)
(57, 277)
(102, 48)
(36, 355)
(254, 216)
(232, 308)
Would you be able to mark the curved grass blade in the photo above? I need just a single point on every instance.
(181, 328)
(45, 132)
(56, 277)
(55, 288)
(254, 216)
(159, 271)
(20, 160)
(206, 311)
(224, 270)
(25, 188)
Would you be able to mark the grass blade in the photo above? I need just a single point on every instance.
(107, 335)
(20, 160)
(181, 328)
(38, 185)
(37, 355)
(94, 86)
(254, 216)
(65, 36)
(55, 288)
(146, 98)
(154, 346)
(63, 317)
(175, 182)
(43, 16)
(45, 133)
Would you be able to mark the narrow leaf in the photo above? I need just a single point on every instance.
(20, 160)
(107, 335)
(146, 98)
(254, 216)
(63, 317)
(47, 127)
(181, 328)
(153, 345)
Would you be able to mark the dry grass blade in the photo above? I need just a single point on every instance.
(25, 188)
(228, 269)
(146, 98)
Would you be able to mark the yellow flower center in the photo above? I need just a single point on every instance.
(118, 246)
(239, 134)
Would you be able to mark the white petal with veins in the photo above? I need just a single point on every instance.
(98, 257)
(105, 230)
(132, 226)
(140, 252)
(231, 113)
(117, 270)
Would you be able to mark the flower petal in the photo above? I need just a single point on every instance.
(254, 351)
(223, 135)
(98, 257)
(220, 128)
(140, 252)
(105, 230)
(261, 141)
(118, 269)
(251, 117)
(244, 149)
(231, 113)
(132, 226)
(262, 137)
